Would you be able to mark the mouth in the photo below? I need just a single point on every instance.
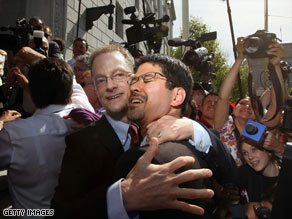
(113, 97)
(136, 99)
(254, 163)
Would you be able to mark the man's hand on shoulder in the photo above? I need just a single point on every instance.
(169, 128)
(151, 187)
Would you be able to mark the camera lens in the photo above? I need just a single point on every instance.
(251, 129)
(253, 44)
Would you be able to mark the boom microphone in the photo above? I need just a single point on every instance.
(176, 42)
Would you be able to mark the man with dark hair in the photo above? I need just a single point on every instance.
(58, 86)
(162, 86)
(80, 47)
(85, 189)
(32, 149)
(208, 110)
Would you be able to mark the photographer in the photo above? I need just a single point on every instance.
(230, 127)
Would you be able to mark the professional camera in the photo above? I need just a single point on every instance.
(257, 44)
(38, 36)
(198, 56)
(263, 212)
(254, 133)
(19, 38)
(142, 31)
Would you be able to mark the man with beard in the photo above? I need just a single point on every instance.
(91, 154)
(162, 86)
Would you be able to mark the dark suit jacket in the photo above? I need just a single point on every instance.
(87, 172)
(166, 153)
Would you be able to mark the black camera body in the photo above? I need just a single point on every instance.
(257, 44)
(199, 59)
(254, 133)
(147, 29)
(19, 38)
(287, 117)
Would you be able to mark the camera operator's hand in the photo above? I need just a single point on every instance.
(277, 52)
(9, 115)
(27, 55)
(20, 78)
(10, 81)
(240, 46)
(273, 144)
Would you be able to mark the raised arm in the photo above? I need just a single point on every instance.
(222, 107)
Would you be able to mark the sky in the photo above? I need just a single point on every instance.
(247, 18)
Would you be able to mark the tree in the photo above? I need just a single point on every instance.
(196, 29)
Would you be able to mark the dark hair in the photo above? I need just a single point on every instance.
(176, 72)
(256, 103)
(60, 42)
(242, 139)
(81, 39)
(50, 82)
(209, 94)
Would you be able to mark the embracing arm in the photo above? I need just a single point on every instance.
(170, 128)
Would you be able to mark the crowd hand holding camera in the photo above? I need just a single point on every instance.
(27, 56)
(271, 143)
(20, 79)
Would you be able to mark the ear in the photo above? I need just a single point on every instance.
(179, 95)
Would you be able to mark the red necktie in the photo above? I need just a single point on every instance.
(135, 140)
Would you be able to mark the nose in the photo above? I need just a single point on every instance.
(250, 156)
(137, 86)
(110, 84)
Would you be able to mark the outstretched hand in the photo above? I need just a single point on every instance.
(151, 187)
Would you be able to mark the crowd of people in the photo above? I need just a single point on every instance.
(104, 135)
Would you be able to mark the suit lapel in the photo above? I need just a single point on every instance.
(109, 137)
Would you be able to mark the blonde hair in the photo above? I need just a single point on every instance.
(113, 48)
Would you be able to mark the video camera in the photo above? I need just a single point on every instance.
(198, 56)
(142, 31)
(257, 44)
(19, 38)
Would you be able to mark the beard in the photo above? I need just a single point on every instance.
(135, 115)
(117, 113)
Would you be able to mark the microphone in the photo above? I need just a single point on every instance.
(180, 42)
(176, 42)
(110, 22)
(165, 18)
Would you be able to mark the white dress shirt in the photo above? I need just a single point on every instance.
(32, 150)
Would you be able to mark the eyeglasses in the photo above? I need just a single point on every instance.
(147, 77)
(116, 77)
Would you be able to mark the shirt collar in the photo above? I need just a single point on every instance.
(121, 128)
